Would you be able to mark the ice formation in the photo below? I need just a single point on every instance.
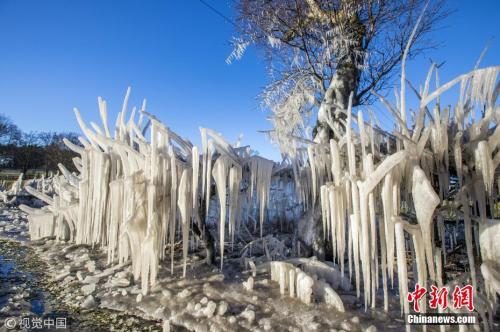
(132, 194)
(295, 282)
(376, 197)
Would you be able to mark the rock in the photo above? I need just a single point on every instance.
(222, 309)
(184, 293)
(89, 302)
(68, 279)
(371, 328)
(349, 299)
(90, 265)
(120, 282)
(61, 276)
(216, 277)
(138, 298)
(265, 323)
(232, 319)
(204, 300)
(154, 289)
(122, 274)
(79, 275)
(166, 293)
(124, 292)
(210, 309)
(190, 306)
(248, 314)
(91, 280)
(159, 311)
(248, 284)
(197, 307)
(355, 320)
(346, 326)
(88, 289)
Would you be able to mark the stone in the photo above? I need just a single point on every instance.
(120, 282)
(265, 323)
(210, 309)
(248, 314)
(184, 293)
(88, 289)
(222, 308)
(346, 326)
(249, 284)
(89, 302)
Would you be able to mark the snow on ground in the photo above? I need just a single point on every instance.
(28, 292)
(13, 223)
(206, 300)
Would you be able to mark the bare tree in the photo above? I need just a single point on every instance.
(29, 153)
(55, 151)
(319, 51)
(9, 132)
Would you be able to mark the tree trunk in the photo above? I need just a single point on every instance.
(334, 107)
(309, 231)
(344, 82)
(201, 230)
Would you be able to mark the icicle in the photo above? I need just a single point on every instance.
(185, 208)
(418, 243)
(261, 170)
(468, 238)
(220, 173)
(426, 201)
(173, 204)
(205, 148)
(208, 177)
(195, 180)
(401, 262)
(484, 165)
(235, 175)
(312, 163)
(387, 201)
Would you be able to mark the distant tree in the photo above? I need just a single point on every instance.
(318, 52)
(55, 151)
(29, 154)
(34, 150)
(9, 132)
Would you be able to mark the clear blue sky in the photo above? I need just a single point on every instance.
(56, 55)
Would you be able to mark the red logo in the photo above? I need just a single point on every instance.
(416, 295)
(462, 297)
(439, 297)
